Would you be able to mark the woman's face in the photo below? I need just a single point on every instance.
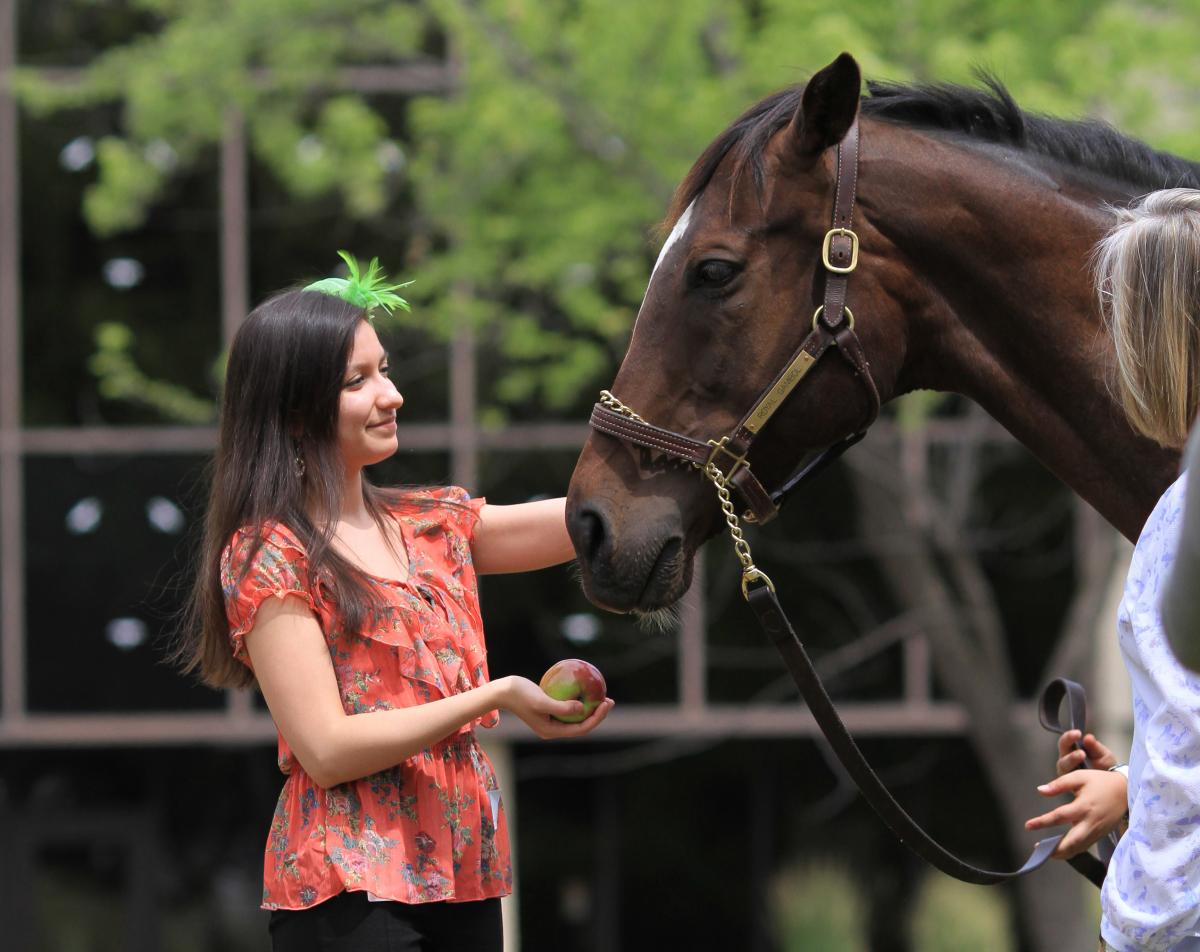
(366, 424)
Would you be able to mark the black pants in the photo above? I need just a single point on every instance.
(349, 922)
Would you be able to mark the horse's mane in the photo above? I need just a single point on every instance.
(985, 115)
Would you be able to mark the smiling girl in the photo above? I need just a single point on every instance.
(355, 611)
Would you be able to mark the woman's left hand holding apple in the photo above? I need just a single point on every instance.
(540, 712)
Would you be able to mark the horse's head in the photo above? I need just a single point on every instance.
(731, 297)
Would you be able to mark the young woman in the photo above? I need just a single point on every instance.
(1149, 282)
(355, 610)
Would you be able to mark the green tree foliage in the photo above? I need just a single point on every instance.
(538, 183)
(275, 62)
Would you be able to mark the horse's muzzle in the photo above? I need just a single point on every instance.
(637, 567)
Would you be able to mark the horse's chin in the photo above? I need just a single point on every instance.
(653, 599)
(660, 621)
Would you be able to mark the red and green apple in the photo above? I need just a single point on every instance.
(571, 679)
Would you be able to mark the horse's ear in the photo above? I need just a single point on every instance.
(827, 108)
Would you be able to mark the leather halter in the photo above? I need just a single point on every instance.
(832, 325)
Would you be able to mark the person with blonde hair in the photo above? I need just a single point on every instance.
(1148, 278)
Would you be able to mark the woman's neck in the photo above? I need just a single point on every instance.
(354, 509)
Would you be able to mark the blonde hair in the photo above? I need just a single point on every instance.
(1148, 279)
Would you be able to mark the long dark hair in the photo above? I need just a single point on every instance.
(282, 384)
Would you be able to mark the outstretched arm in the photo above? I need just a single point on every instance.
(291, 660)
(521, 538)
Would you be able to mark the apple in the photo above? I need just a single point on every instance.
(572, 679)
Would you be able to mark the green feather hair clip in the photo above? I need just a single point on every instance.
(367, 291)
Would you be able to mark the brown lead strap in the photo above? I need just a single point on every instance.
(775, 623)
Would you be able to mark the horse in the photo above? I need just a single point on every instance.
(972, 233)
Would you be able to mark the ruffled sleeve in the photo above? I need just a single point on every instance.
(462, 511)
(447, 508)
(249, 576)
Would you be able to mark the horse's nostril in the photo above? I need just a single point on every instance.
(592, 533)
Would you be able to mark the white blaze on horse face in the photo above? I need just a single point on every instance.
(677, 232)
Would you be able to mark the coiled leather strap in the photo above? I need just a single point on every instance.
(775, 623)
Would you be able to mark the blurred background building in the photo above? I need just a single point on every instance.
(165, 164)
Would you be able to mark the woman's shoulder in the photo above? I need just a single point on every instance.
(437, 503)
(269, 532)
(436, 509)
(1153, 554)
(1159, 533)
(269, 541)
(416, 499)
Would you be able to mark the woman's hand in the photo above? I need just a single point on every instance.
(1070, 758)
(536, 708)
(1097, 809)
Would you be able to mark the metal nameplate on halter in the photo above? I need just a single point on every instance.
(778, 393)
(829, 236)
(718, 446)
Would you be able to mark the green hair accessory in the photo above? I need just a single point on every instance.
(367, 291)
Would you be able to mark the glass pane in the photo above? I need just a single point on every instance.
(109, 542)
(536, 618)
(72, 32)
(162, 279)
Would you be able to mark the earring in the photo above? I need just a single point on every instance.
(298, 462)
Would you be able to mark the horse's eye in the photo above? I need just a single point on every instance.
(715, 273)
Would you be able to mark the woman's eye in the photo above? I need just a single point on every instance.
(386, 371)
(715, 274)
(353, 382)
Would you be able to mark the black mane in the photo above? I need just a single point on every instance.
(991, 115)
(984, 115)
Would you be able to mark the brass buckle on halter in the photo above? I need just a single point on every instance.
(718, 446)
(829, 265)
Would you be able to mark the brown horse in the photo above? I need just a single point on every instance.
(976, 222)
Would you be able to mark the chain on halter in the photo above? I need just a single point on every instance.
(750, 572)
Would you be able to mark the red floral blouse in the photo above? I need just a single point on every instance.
(433, 826)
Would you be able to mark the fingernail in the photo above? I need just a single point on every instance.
(1044, 787)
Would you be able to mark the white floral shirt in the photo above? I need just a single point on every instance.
(1151, 897)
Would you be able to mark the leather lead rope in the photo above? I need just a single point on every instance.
(775, 623)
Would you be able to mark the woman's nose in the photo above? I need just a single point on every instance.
(392, 397)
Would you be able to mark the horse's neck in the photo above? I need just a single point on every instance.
(1014, 326)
